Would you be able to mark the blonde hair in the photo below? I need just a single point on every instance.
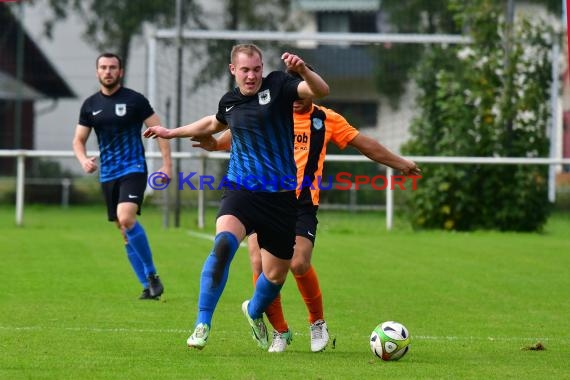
(249, 49)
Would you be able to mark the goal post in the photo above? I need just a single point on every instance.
(346, 61)
(197, 100)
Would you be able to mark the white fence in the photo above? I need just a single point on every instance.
(21, 156)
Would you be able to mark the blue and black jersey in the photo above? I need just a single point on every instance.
(117, 120)
(262, 134)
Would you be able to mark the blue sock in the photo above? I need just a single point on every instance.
(215, 275)
(137, 265)
(138, 241)
(265, 292)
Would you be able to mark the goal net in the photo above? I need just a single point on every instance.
(372, 92)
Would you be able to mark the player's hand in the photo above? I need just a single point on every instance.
(208, 143)
(415, 171)
(411, 169)
(167, 171)
(293, 62)
(157, 131)
(89, 165)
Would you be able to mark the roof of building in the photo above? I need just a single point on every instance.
(339, 5)
(38, 74)
(13, 89)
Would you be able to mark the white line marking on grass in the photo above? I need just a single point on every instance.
(489, 338)
(209, 237)
(93, 329)
(187, 330)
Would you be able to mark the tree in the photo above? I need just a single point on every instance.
(110, 25)
(269, 15)
(395, 62)
(484, 100)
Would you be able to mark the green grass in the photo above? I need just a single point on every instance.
(471, 301)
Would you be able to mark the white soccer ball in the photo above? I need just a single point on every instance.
(390, 341)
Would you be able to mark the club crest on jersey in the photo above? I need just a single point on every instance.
(317, 123)
(120, 109)
(264, 97)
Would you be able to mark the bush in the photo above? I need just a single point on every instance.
(483, 100)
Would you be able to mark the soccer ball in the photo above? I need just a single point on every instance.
(390, 341)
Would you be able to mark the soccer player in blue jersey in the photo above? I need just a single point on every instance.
(116, 114)
(261, 180)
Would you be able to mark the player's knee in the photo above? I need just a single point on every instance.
(125, 223)
(276, 278)
(225, 246)
(299, 267)
(276, 273)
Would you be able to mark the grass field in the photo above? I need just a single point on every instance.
(471, 301)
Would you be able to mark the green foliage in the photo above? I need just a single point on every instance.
(484, 100)
(111, 25)
(47, 182)
(555, 6)
(213, 56)
(394, 62)
(46, 168)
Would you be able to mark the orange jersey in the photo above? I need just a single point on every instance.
(313, 131)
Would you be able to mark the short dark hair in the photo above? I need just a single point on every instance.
(109, 55)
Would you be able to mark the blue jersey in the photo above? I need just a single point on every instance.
(117, 120)
(262, 156)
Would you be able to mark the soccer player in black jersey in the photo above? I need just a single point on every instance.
(261, 180)
(116, 114)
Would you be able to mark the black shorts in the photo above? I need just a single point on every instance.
(271, 215)
(307, 222)
(129, 188)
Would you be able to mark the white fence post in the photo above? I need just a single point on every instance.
(201, 197)
(389, 199)
(65, 192)
(21, 175)
(553, 123)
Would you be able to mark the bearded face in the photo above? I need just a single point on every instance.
(109, 72)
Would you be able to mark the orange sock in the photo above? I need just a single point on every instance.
(308, 285)
(274, 312)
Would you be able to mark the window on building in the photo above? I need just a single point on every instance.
(360, 114)
(363, 22)
(347, 22)
(337, 22)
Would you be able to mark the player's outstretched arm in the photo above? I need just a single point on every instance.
(207, 125)
(379, 153)
(211, 143)
(164, 146)
(312, 86)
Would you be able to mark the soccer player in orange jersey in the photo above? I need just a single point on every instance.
(315, 126)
